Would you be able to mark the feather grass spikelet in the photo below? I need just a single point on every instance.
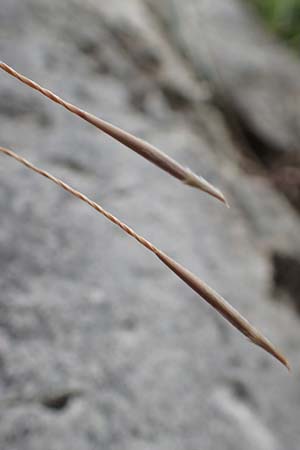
(143, 148)
(200, 287)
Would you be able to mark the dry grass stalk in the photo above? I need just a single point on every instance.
(140, 146)
(214, 299)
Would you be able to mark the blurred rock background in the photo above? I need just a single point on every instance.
(100, 346)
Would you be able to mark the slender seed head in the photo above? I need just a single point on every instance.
(199, 286)
(143, 148)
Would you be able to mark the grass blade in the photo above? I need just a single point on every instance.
(143, 148)
(207, 293)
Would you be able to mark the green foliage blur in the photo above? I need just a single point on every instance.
(283, 16)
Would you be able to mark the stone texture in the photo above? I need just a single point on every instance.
(100, 346)
(255, 75)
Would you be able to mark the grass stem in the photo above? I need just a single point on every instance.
(200, 287)
(143, 148)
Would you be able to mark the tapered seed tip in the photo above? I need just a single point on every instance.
(279, 356)
(226, 203)
(223, 199)
(200, 183)
(285, 362)
(269, 347)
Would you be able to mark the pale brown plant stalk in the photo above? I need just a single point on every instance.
(206, 292)
(140, 146)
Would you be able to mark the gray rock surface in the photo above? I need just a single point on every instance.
(100, 346)
(254, 73)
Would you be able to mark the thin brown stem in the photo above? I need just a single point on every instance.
(143, 148)
(206, 292)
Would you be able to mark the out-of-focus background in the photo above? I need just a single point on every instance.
(101, 347)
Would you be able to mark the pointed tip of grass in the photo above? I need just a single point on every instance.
(143, 148)
(200, 183)
(207, 293)
(226, 203)
(223, 307)
(258, 339)
(223, 199)
(279, 356)
(287, 365)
